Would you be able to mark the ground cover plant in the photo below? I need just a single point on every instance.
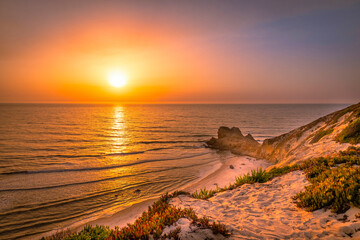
(256, 176)
(335, 182)
(322, 133)
(88, 232)
(350, 134)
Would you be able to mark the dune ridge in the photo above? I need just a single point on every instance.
(320, 138)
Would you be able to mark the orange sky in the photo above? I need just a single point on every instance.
(62, 52)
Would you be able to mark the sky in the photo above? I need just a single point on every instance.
(234, 51)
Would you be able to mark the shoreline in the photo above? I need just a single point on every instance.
(219, 176)
(216, 176)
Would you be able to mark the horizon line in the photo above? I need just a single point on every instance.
(172, 102)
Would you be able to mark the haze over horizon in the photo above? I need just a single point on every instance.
(185, 51)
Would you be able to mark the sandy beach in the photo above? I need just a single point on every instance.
(222, 176)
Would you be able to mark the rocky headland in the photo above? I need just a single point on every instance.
(324, 137)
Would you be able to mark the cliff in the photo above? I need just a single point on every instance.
(325, 136)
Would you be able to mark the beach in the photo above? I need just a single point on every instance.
(221, 177)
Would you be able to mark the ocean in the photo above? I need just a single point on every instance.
(65, 163)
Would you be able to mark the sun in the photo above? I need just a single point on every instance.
(117, 79)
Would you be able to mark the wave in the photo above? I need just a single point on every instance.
(85, 155)
(12, 230)
(56, 203)
(124, 153)
(101, 180)
(164, 142)
(99, 168)
(14, 227)
(195, 135)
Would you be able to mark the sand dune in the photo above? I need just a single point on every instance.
(267, 211)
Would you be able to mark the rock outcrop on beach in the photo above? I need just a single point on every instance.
(233, 139)
(325, 136)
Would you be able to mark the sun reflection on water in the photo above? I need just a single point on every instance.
(118, 129)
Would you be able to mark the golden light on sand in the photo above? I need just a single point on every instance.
(117, 79)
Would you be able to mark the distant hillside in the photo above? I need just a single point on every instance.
(325, 136)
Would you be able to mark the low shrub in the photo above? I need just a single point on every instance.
(174, 234)
(335, 182)
(204, 222)
(351, 151)
(255, 176)
(350, 134)
(204, 193)
(60, 235)
(322, 133)
(336, 188)
(153, 221)
(88, 232)
(219, 228)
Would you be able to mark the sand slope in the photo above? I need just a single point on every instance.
(267, 211)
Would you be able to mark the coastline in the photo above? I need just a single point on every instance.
(220, 174)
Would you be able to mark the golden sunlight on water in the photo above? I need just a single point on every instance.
(118, 129)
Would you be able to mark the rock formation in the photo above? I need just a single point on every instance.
(232, 139)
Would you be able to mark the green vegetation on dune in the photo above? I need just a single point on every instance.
(256, 176)
(335, 182)
(336, 188)
(354, 109)
(88, 232)
(320, 134)
(350, 134)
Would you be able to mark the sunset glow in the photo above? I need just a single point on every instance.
(117, 79)
(237, 52)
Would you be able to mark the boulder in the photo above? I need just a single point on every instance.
(227, 132)
(230, 137)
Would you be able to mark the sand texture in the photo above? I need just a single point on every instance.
(267, 211)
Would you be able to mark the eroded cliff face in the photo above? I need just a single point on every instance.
(325, 136)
